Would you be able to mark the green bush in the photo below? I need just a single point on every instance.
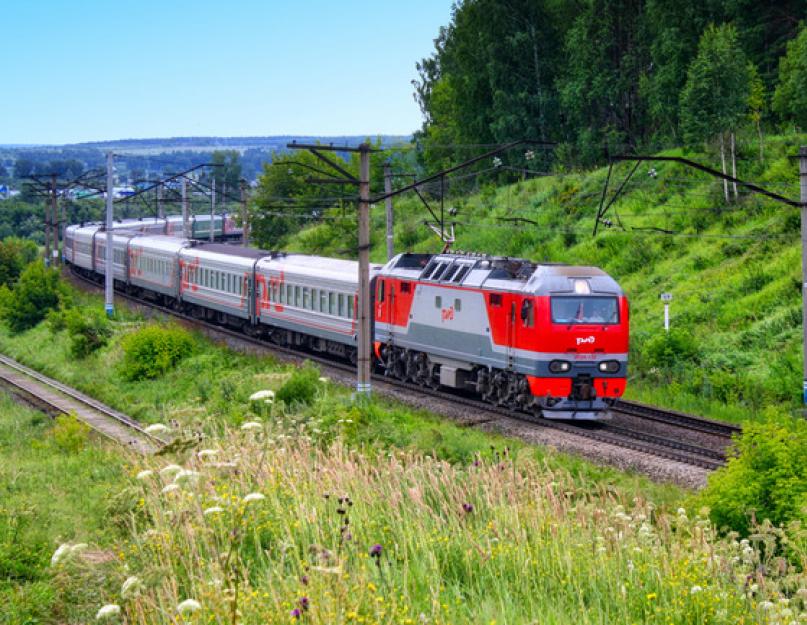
(153, 350)
(69, 434)
(88, 328)
(766, 478)
(668, 349)
(38, 291)
(15, 254)
(301, 387)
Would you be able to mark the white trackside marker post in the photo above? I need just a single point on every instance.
(666, 298)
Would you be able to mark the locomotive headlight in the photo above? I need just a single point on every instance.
(609, 366)
(559, 366)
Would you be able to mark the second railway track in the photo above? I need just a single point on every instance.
(666, 447)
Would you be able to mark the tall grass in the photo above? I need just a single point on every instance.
(264, 528)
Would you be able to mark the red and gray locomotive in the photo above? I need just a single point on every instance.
(548, 339)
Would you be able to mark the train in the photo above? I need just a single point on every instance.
(549, 340)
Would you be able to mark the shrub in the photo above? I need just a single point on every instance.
(766, 478)
(69, 434)
(153, 350)
(15, 254)
(667, 349)
(38, 291)
(89, 330)
(301, 387)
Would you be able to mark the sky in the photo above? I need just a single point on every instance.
(91, 70)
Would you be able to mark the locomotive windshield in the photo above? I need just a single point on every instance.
(582, 310)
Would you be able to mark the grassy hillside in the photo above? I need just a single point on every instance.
(733, 269)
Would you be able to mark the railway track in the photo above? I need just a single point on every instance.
(54, 397)
(667, 447)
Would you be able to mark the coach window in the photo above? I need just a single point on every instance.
(332, 303)
(306, 297)
(350, 299)
(314, 299)
(281, 289)
(342, 312)
(298, 296)
(323, 301)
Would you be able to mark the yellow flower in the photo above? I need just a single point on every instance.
(371, 587)
(651, 596)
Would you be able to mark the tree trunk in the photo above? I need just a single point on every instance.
(723, 162)
(733, 164)
(759, 132)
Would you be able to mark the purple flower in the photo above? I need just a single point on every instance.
(304, 580)
(295, 613)
(375, 551)
(467, 508)
(304, 603)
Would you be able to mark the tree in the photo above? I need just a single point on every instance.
(15, 254)
(227, 174)
(38, 291)
(756, 102)
(715, 98)
(790, 97)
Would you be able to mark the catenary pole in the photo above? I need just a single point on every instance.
(54, 215)
(186, 226)
(803, 187)
(363, 387)
(212, 209)
(244, 214)
(109, 304)
(388, 208)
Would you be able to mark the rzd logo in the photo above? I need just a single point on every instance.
(582, 340)
(447, 314)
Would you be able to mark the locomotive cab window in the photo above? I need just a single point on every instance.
(406, 287)
(495, 299)
(527, 313)
(585, 310)
(381, 285)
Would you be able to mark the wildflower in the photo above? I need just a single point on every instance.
(304, 580)
(131, 587)
(295, 613)
(254, 497)
(304, 603)
(206, 453)
(695, 590)
(267, 395)
(467, 508)
(169, 489)
(375, 551)
(682, 512)
(157, 428)
(765, 605)
(251, 425)
(324, 380)
(650, 596)
(59, 554)
(78, 547)
(107, 611)
(186, 475)
(144, 475)
(213, 510)
(170, 469)
(188, 606)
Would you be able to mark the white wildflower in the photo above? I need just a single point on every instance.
(254, 497)
(144, 475)
(186, 476)
(188, 606)
(213, 510)
(266, 395)
(59, 554)
(324, 380)
(170, 488)
(170, 469)
(131, 587)
(157, 428)
(682, 512)
(207, 453)
(225, 465)
(695, 590)
(252, 425)
(108, 611)
(765, 605)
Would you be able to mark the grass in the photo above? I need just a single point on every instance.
(55, 487)
(733, 269)
(267, 525)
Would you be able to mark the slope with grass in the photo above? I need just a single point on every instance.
(734, 268)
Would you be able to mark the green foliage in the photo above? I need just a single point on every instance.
(301, 387)
(715, 97)
(15, 254)
(765, 479)
(669, 349)
(153, 350)
(88, 328)
(69, 434)
(38, 291)
(790, 97)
